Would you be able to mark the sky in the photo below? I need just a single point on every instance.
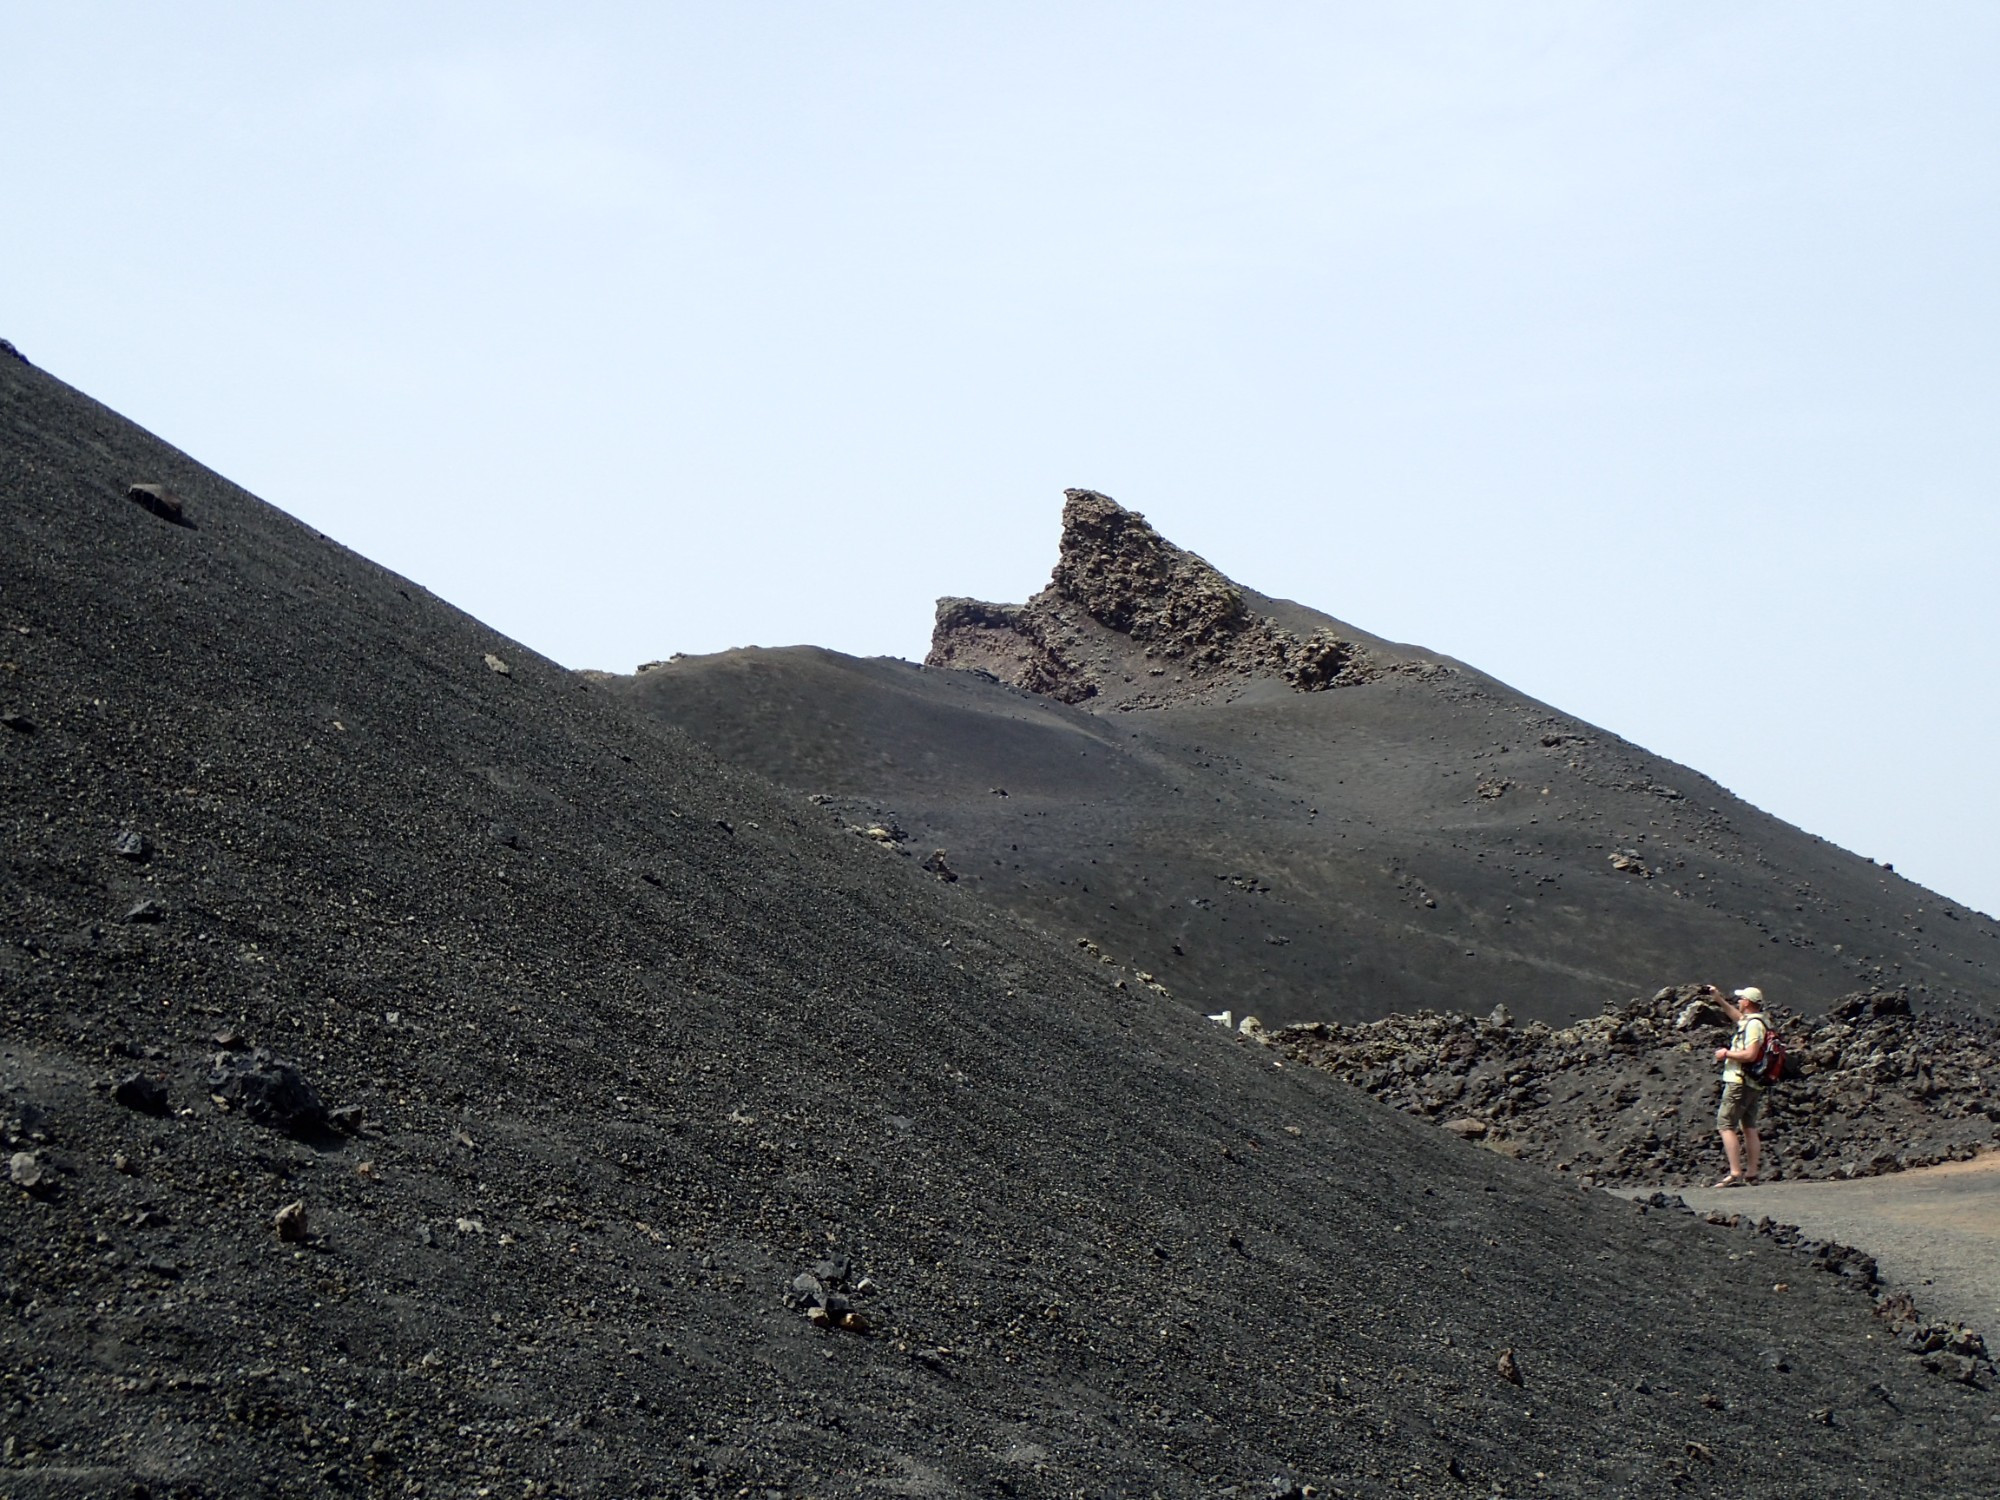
(1646, 356)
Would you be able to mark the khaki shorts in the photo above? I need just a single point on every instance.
(1741, 1104)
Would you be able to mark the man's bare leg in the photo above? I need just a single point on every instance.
(1734, 1151)
(1756, 1142)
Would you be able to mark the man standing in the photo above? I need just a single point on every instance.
(1742, 1098)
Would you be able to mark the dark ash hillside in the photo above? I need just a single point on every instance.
(1274, 812)
(624, 1041)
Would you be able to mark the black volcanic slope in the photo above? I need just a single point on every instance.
(1275, 813)
(637, 1039)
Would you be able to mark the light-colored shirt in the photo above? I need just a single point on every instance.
(1750, 1033)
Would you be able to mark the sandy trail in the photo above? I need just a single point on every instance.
(1935, 1231)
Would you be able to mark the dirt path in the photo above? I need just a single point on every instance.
(1935, 1231)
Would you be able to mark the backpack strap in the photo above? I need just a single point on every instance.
(1763, 1036)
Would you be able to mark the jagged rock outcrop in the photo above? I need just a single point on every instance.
(1127, 614)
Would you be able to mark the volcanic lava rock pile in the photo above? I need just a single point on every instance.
(1628, 1097)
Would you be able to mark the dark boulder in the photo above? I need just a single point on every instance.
(161, 501)
(269, 1090)
(143, 1092)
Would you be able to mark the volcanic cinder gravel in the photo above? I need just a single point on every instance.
(1274, 812)
(624, 1078)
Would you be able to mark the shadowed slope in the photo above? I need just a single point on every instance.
(1383, 831)
(638, 1040)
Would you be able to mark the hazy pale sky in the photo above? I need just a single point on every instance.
(1643, 355)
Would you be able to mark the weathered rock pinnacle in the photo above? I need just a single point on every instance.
(1127, 608)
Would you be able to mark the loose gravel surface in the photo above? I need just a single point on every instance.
(1935, 1231)
(418, 1076)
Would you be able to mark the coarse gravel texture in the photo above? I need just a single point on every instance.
(615, 1041)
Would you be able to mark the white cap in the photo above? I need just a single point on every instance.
(1751, 995)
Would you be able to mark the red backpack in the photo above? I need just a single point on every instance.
(1769, 1065)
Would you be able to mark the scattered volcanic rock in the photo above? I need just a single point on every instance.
(1628, 1097)
(29, 1172)
(290, 1223)
(825, 1294)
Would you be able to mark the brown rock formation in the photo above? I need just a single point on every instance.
(1129, 615)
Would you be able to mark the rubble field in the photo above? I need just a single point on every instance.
(1627, 1098)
